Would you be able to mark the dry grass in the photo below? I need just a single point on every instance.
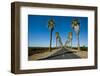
(37, 50)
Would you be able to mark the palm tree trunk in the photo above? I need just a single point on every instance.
(50, 40)
(78, 42)
(60, 42)
(56, 43)
(71, 43)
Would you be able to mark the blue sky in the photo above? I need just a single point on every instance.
(39, 33)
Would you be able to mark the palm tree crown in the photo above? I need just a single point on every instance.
(76, 25)
(75, 22)
(51, 24)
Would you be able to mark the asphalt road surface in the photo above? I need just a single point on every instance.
(62, 54)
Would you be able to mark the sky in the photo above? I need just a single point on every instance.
(39, 33)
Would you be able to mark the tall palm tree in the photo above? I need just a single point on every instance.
(76, 27)
(51, 25)
(57, 36)
(70, 38)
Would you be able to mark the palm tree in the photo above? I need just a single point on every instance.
(57, 36)
(61, 44)
(67, 42)
(70, 38)
(76, 27)
(51, 25)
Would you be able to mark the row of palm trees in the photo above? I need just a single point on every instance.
(75, 26)
(51, 25)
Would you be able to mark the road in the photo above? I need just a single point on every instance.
(60, 53)
(63, 54)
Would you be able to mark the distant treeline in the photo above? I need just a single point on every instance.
(81, 48)
(36, 50)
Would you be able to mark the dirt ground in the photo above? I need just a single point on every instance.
(82, 54)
